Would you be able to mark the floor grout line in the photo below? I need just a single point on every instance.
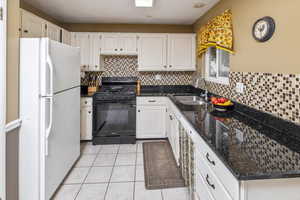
(90, 168)
(111, 173)
(135, 171)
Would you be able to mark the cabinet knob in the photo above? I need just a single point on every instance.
(25, 31)
(116, 49)
(90, 112)
(170, 65)
(139, 110)
(96, 66)
(85, 102)
(121, 49)
(165, 66)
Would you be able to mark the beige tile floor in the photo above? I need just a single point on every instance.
(112, 172)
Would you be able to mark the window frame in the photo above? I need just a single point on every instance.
(217, 79)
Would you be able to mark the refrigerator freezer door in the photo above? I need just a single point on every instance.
(62, 145)
(66, 66)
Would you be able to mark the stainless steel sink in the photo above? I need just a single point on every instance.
(190, 100)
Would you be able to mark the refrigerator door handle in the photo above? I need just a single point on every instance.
(50, 65)
(48, 129)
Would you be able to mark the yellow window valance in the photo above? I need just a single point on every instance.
(218, 32)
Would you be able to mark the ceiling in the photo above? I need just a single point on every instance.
(123, 11)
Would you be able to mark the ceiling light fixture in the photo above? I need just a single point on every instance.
(144, 3)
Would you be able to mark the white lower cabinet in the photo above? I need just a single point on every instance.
(151, 122)
(86, 119)
(173, 133)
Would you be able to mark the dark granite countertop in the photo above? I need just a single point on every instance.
(252, 144)
(90, 94)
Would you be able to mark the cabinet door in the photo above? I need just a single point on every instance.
(83, 41)
(110, 44)
(95, 45)
(32, 26)
(152, 51)
(66, 37)
(128, 44)
(175, 136)
(151, 122)
(53, 32)
(181, 52)
(86, 123)
(74, 40)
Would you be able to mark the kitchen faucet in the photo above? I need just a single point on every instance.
(205, 95)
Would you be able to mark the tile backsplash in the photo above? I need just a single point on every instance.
(123, 66)
(278, 94)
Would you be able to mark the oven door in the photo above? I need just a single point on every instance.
(114, 118)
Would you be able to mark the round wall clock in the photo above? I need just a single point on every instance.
(263, 29)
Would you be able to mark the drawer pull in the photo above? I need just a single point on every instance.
(209, 160)
(211, 185)
(151, 101)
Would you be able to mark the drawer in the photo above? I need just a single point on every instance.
(213, 184)
(205, 156)
(151, 101)
(86, 101)
(201, 190)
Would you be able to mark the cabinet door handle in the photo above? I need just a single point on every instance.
(90, 112)
(210, 184)
(171, 118)
(25, 31)
(209, 160)
(152, 101)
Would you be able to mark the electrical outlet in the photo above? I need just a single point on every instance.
(158, 77)
(240, 88)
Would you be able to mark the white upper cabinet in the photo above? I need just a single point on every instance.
(152, 52)
(66, 37)
(167, 52)
(119, 44)
(53, 32)
(82, 40)
(182, 52)
(32, 25)
(128, 43)
(110, 43)
(90, 50)
(95, 50)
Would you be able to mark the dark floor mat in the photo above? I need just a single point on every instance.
(160, 166)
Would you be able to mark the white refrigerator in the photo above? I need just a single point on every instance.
(50, 111)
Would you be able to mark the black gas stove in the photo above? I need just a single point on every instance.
(114, 111)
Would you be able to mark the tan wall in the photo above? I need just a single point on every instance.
(32, 9)
(13, 60)
(12, 138)
(281, 53)
(137, 28)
